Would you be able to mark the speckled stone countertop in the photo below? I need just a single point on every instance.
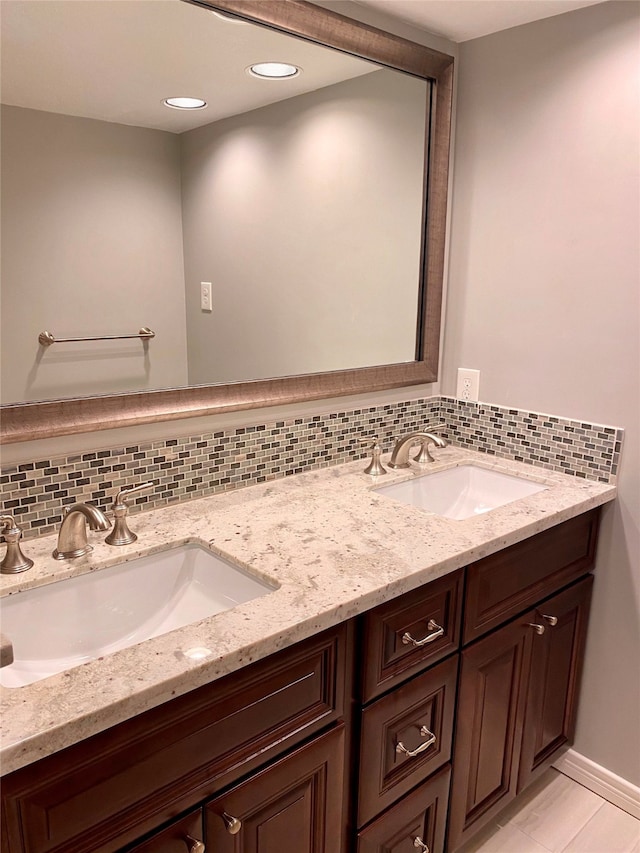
(333, 546)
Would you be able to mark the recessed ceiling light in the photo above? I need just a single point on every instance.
(274, 70)
(185, 103)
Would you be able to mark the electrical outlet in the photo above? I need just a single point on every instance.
(468, 388)
(206, 297)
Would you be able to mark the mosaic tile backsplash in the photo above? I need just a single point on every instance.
(194, 466)
(559, 444)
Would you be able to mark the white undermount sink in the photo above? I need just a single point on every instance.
(461, 492)
(68, 622)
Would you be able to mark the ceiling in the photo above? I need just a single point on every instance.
(117, 61)
(461, 20)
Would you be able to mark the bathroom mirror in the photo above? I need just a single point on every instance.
(313, 206)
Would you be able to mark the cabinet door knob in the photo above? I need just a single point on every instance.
(432, 625)
(232, 824)
(552, 620)
(424, 732)
(539, 629)
(194, 845)
(420, 845)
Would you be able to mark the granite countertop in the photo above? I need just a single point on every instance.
(332, 546)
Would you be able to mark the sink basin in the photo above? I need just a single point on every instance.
(461, 492)
(71, 621)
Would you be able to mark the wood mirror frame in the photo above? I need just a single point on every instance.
(29, 421)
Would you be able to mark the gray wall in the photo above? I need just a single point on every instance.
(306, 216)
(91, 244)
(544, 287)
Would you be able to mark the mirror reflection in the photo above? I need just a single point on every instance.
(277, 231)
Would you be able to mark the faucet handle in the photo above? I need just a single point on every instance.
(424, 456)
(121, 534)
(375, 466)
(124, 494)
(14, 560)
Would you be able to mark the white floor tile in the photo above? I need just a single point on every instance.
(505, 839)
(610, 830)
(528, 796)
(556, 811)
(558, 815)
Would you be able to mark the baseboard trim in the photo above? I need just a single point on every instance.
(601, 781)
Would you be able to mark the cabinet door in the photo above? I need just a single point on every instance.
(489, 727)
(417, 823)
(293, 805)
(183, 836)
(556, 667)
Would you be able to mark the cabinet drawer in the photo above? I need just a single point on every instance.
(431, 616)
(114, 787)
(405, 737)
(509, 582)
(418, 819)
(181, 836)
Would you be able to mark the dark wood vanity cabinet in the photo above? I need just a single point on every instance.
(517, 704)
(112, 789)
(405, 729)
(516, 707)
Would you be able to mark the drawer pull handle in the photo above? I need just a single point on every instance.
(424, 732)
(552, 620)
(420, 845)
(232, 824)
(432, 625)
(539, 629)
(194, 845)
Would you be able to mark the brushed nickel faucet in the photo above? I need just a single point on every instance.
(14, 560)
(72, 538)
(400, 455)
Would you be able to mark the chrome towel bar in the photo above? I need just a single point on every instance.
(46, 338)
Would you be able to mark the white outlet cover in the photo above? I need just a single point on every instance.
(468, 386)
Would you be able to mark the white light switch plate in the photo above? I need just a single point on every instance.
(206, 296)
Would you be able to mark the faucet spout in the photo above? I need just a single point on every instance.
(72, 538)
(400, 455)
